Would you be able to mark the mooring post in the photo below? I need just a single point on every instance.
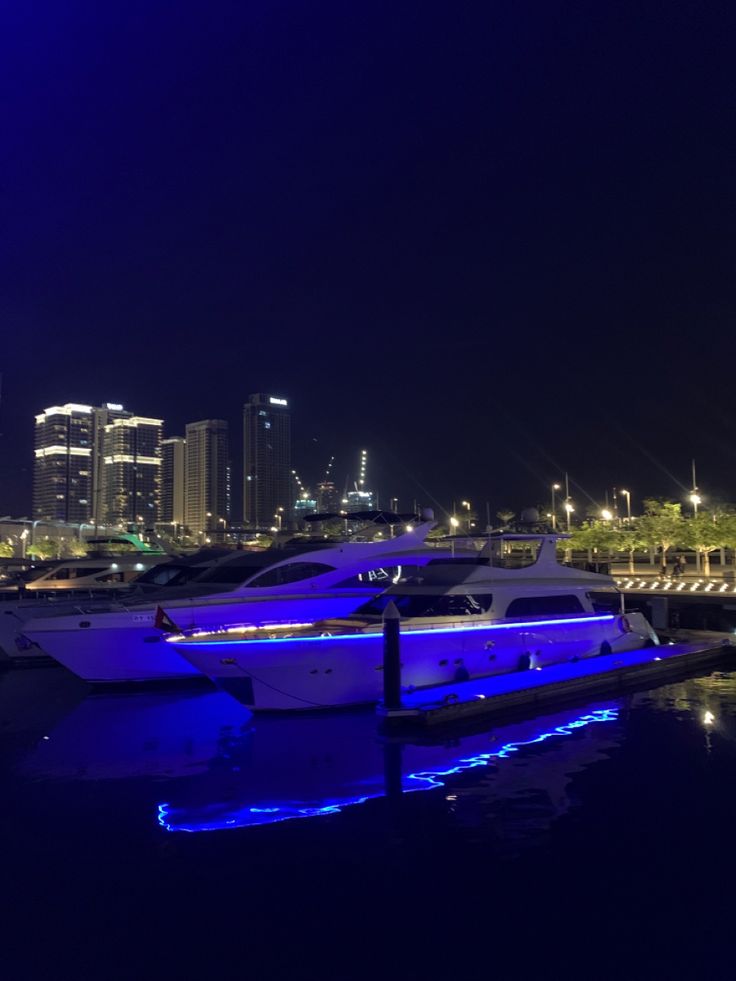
(391, 658)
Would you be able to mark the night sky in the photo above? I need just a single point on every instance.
(490, 242)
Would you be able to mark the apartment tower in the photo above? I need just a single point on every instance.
(267, 478)
(207, 507)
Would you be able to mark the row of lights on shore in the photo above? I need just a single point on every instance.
(702, 585)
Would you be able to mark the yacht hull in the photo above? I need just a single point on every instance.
(125, 646)
(307, 673)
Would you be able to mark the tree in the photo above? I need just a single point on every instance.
(661, 526)
(727, 530)
(45, 548)
(705, 534)
(593, 537)
(75, 549)
(630, 540)
(6, 550)
(506, 515)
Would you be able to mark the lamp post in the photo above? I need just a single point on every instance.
(569, 509)
(695, 499)
(466, 505)
(627, 495)
(606, 514)
(555, 487)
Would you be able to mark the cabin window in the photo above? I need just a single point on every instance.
(295, 572)
(111, 577)
(430, 606)
(234, 573)
(605, 601)
(382, 577)
(532, 606)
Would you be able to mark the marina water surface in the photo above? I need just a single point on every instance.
(177, 835)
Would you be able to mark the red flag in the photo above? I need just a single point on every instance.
(164, 622)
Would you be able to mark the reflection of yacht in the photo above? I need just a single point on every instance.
(72, 586)
(461, 619)
(311, 767)
(54, 587)
(223, 769)
(300, 583)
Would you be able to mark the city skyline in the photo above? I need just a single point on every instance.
(181, 477)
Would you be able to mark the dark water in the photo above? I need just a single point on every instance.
(175, 835)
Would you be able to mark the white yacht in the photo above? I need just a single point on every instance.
(61, 586)
(299, 584)
(460, 619)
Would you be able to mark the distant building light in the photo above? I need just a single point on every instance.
(274, 401)
(114, 407)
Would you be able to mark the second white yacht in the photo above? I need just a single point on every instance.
(297, 585)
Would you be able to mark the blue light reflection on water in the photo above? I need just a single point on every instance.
(206, 818)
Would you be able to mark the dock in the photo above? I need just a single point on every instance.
(518, 691)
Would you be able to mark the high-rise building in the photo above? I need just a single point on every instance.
(358, 500)
(267, 484)
(207, 477)
(103, 416)
(62, 475)
(328, 497)
(173, 480)
(131, 476)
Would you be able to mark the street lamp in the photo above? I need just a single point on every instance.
(454, 522)
(555, 487)
(628, 505)
(466, 505)
(606, 514)
(569, 509)
(695, 499)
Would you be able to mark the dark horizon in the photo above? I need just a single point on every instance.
(489, 245)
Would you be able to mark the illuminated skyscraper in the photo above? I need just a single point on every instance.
(207, 477)
(96, 463)
(131, 477)
(267, 483)
(103, 416)
(62, 475)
